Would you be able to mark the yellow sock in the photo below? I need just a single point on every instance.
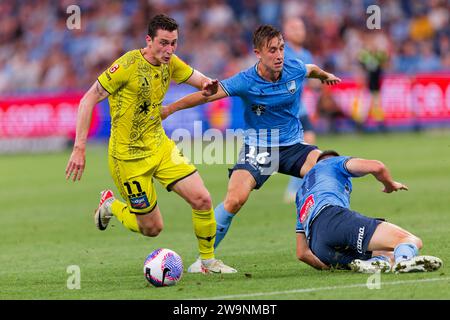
(205, 231)
(123, 214)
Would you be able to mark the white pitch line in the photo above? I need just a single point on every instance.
(358, 285)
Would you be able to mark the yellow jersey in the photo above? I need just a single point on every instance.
(136, 91)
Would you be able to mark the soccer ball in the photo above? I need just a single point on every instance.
(163, 267)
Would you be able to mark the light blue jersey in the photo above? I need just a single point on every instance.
(271, 108)
(304, 55)
(327, 183)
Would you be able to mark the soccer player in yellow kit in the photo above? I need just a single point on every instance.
(139, 150)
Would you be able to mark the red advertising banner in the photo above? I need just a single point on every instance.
(403, 99)
(41, 116)
(430, 96)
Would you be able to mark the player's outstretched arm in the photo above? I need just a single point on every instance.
(191, 100)
(313, 71)
(77, 161)
(206, 85)
(361, 167)
(305, 254)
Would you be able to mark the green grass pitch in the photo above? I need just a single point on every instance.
(47, 225)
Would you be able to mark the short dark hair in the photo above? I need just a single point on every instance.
(327, 154)
(264, 34)
(161, 22)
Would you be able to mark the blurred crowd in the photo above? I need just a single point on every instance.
(39, 52)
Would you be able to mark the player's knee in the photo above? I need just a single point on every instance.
(152, 230)
(417, 241)
(201, 201)
(233, 203)
(405, 237)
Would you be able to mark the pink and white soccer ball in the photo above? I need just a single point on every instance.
(163, 267)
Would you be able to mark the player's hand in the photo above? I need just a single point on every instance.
(165, 112)
(331, 79)
(394, 186)
(210, 87)
(76, 164)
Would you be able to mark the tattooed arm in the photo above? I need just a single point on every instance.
(77, 161)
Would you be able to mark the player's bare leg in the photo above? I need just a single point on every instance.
(406, 248)
(150, 224)
(193, 190)
(385, 239)
(295, 183)
(195, 193)
(387, 236)
(311, 160)
(240, 186)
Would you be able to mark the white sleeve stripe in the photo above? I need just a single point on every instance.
(222, 86)
(345, 165)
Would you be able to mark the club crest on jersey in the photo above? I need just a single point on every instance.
(291, 86)
(114, 68)
(306, 208)
(258, 109)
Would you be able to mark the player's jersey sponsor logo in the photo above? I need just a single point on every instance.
(114, 68)
(291, 86)
(139, 202)
(306, 208)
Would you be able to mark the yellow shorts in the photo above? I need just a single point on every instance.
(134, 178)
